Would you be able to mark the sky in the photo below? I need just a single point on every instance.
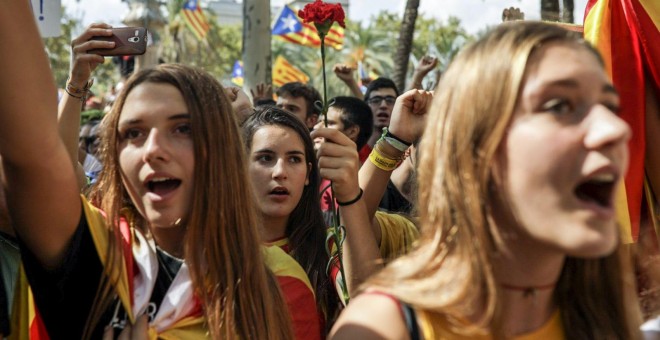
(474, 14)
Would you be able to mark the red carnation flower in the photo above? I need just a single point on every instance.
(323, 15)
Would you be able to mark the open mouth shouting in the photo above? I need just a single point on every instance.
(160, 187)
(597, 192)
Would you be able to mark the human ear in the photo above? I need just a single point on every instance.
(352, 132)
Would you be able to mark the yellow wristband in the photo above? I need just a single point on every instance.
(382, 162)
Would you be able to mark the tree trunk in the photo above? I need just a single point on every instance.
(405, 44)
(550, 10)
(257, 65)
(567, 11)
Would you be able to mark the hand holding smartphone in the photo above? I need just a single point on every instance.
(128, 41)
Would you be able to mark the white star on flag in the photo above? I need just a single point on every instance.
(290, 23)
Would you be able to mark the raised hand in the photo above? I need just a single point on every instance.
(426, 64)
(338, 161)
(344, 72)
(409, 114)
(262, 91)
(83, 63)
(512, 14)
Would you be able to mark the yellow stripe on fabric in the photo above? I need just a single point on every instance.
(22, 312)
(652, 8)
(282, 264)
(398, 234)
(651, 204)
(622, 214)
(100, 236)
(598, 31)
(186, 328)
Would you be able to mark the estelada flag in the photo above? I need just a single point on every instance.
(289, 27)
(237, 73)
(626, 34)
(195, 19)
(284, 72)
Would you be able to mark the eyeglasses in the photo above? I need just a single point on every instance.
(389, 100)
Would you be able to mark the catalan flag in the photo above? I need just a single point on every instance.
(284, 72)
(237, 73)
(289, 27)
(195, 19)
(626, 34)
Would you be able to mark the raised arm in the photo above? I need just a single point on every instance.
(346, 74)
(425, 65)
(339, 162)
(81, 67)
(407, 124)
(41, 186)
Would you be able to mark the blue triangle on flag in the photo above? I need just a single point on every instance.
(190, 5)
(287, 22)
(238, 69)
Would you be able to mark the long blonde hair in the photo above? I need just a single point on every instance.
(239, 294)
(450, 271)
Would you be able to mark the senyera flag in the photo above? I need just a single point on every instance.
(284, 72)
(626, 34)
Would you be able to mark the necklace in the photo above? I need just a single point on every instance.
(528, 291)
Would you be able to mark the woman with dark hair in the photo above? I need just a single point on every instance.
(517, 177)
(285, 178)
(177, 239)
(285, 174)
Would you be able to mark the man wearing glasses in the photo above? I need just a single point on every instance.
(381, 95)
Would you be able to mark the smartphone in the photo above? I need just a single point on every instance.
(128, 41)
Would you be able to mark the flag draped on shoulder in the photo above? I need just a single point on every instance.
(626, 34)
(290, 28)
(284, 72)
(195, 19)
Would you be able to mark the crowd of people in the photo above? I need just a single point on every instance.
(484, 209)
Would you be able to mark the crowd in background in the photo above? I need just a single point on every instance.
(175, 207)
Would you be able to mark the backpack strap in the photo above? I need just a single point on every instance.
(411, 320)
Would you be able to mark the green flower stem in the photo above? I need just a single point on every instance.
(336, 229)
(325, 89)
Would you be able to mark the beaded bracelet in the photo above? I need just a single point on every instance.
(357, 198)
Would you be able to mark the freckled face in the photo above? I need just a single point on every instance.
(565, 153)
(156, 154)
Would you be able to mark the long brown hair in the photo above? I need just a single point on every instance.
(305, 227)
(450, 271)
(240, 296)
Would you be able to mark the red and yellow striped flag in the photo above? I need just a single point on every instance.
(195, 19)
(626, 34)
(284, 72)
(290, 28)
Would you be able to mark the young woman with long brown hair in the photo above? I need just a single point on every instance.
(517, 174)
(178, 240)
